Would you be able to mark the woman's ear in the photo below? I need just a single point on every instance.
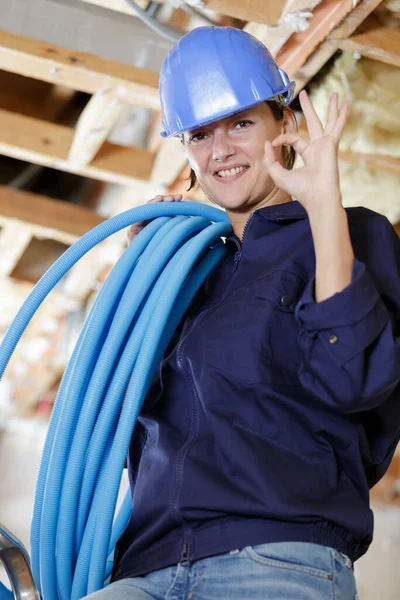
(289, 123)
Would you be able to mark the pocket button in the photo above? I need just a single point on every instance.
(286, 300)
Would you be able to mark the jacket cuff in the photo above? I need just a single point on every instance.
(348, 321)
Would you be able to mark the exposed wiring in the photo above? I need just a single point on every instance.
(153, 8)
(169, 33)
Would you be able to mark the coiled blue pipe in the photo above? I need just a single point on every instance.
(118, 352)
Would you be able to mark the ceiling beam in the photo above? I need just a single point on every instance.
(259, 11)
(94, 126)
(327, 49)
(301, 44)
(374, 41)
(77, 70)
(48, 144)
(44, 217)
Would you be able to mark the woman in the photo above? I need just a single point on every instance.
(277, 403)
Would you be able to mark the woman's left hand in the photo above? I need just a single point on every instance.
(316, 184)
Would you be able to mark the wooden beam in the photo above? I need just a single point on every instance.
(94, 125)
(301, 45)
(275, 37)
(77, 70)
(118, 5)
(259, 11)
(327, 49)
(48, 144)
(44, 217)
(374, 41)
(14, 240)
(375, 162)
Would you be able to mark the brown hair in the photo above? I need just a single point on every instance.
(288, 153)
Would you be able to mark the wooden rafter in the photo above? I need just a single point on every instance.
(49, 144)
(301, 45)
(374, 41)
(77, 70)
(327, 49)
(94, 125)
(44, 217)
(259, 11)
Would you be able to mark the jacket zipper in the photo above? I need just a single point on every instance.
(239, 253)
(195, 411)
(193, 426)
(186, 554)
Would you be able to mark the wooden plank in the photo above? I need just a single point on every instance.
(94, 125)
(117, 5)
(354, 19)
(77, 70)
(301, 45)
(376, 162)
(374, 41)
(32, 97)
(326, 50)
(259, 11)
(48, 144)
(274, 38)
(14, 240)
(44, 217)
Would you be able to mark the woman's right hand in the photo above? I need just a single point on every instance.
(137, 227)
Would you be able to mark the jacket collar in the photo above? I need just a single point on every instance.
(288, 211)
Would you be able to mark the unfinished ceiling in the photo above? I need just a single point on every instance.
(80, 123)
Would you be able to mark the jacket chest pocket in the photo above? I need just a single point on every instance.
(252, 335)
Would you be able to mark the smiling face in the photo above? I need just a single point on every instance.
(228, 157)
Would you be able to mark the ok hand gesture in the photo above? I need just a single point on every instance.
(316, 184)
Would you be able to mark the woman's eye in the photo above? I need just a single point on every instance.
(197, 137)
(243, 124)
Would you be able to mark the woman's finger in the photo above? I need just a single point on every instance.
(136, 228)
(332, 113)
(314, 125)
(273, 166)
(295, 140)
(341, 122)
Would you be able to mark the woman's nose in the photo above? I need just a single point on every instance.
(222, 147)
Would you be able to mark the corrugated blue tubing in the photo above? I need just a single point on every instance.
(109, 373)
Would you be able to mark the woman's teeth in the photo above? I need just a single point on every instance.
(231, 172)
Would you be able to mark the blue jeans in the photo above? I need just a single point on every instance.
(278, 571)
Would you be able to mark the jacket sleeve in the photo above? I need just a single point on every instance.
(350, 342)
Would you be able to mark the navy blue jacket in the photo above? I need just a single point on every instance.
(272, 415)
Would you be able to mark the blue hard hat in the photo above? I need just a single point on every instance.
(214, 72)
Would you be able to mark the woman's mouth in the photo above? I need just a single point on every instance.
(228, 175)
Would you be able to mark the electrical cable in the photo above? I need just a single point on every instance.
(169, 33)
(105, 383)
